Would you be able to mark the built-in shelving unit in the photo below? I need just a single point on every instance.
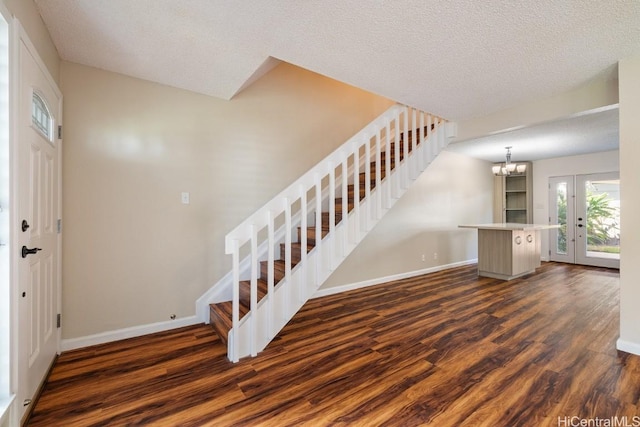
(513, 197)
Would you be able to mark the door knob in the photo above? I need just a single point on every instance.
(26, 251)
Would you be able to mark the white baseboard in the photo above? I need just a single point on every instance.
(121, 334)
(350, 287)
(628, 346)
(136, 331)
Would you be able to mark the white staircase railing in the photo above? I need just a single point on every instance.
(304, 202)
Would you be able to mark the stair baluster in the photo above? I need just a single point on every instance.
(397, 175)
(303, 242)
(254, 289)
(387, 165)
(395, 148)
(378, 166)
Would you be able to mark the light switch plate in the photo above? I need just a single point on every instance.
(185, 198)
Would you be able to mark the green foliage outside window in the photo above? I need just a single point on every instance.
(562, 220)
(601, 223)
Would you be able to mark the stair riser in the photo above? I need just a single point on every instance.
(393, 160)
(339, 209)
(384, 164)
(245, 292)
(278, 270)
(351, 192)
(325, 219)
(338, 204)
(311, 234)
(220, 318)
(372, 179)
(296, 251)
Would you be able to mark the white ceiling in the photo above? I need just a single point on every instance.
(589, 132)
(456, 58)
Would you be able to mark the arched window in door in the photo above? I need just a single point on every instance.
(41, 117)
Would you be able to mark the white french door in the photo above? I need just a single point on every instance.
(39, 104)
(562, 212)
(598, 219)
(587, 207)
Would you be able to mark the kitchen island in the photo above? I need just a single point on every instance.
(508, 250)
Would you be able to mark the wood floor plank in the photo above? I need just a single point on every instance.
(443, 349)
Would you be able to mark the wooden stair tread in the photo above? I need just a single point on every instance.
(296, 246)
(279, 269)
(296, 250)
(311, 233)
(220, 318)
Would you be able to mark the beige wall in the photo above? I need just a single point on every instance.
(133, 254)
(629, 78)
(453, 190)
(29, 17)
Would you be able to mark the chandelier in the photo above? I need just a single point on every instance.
(508, 168)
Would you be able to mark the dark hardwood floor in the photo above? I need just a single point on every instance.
(444, 349)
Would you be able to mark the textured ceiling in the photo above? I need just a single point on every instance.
(455, 58)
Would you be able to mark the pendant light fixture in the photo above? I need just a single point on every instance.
(508, 168)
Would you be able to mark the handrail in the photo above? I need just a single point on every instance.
(240, 231)
(358, 162)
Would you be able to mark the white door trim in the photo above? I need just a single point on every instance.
(6, 248)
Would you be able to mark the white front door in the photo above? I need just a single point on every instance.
(587, 207)
(36, 227)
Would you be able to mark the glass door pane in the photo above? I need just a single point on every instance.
(561, 212)
(598, 220)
